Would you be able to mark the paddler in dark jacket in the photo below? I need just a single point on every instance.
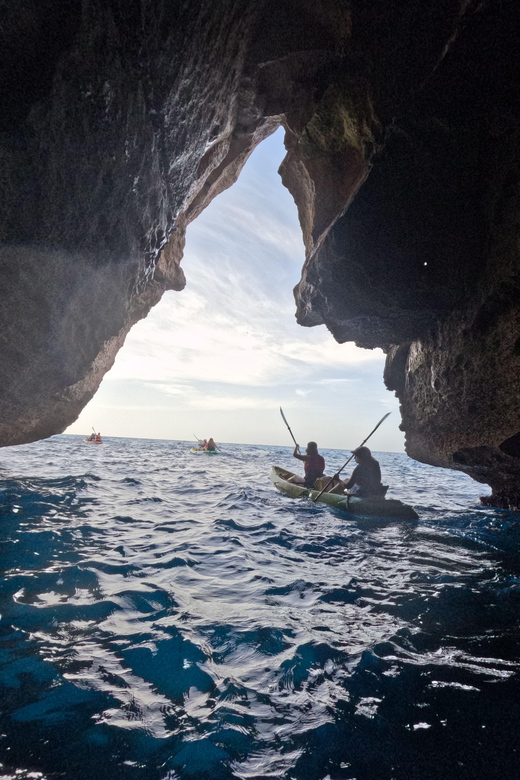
(314, 465)
(366, 477)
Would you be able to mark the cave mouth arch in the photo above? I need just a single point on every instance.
(223, 354)
(402, 152)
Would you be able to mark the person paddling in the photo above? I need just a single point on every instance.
(365, 481)
(211, 446)
(314, 465)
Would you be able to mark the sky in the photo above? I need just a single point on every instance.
(220, 358)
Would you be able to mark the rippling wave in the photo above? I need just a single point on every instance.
(165, 618)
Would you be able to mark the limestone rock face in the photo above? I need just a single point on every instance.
(124, 118)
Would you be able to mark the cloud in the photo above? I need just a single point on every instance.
(218, 352)
(254, 232)
(229, 350)
(328, 353)
(340, 381)
(235, 335)
(214, 403)
(170, 389)
(389, 402)
(134, 408)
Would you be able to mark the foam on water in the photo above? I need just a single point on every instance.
(168, 616)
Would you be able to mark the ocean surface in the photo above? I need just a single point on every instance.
(171, 616)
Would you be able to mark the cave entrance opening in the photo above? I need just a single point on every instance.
(220, 357)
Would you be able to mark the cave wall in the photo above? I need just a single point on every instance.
(124, 118)
(425, 262)
(115, 136)
(99, 164)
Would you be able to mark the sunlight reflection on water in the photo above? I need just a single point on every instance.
(155, 629)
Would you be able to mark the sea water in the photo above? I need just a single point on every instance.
(171, 616)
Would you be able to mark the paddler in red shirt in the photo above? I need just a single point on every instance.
(314, 465)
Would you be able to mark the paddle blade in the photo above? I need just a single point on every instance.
(377, 426)
(288, 427)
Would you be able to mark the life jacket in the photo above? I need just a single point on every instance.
(314, 467)
(367, 476)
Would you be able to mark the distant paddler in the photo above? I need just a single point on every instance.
(94, 438)
(211, 446)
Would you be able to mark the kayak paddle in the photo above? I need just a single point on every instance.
(285, 421)
(348, 461)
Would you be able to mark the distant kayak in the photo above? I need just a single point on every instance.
(93, 441)
(369, 507)
(200, 451)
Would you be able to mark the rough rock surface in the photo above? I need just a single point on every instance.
(124, 118)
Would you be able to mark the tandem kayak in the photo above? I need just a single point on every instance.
(199, 451)
(93, 441)
(369, 507)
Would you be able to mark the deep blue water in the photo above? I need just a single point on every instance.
(168, 616)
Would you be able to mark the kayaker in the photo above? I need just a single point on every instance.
(98, 437)
(313, 464)
(366, 477)
(211, 445)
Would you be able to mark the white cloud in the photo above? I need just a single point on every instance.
(228, 350)
(389, 402)
(213, 403)
(133, 408)
(170, 389)
(328, 353)
(341, 381)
